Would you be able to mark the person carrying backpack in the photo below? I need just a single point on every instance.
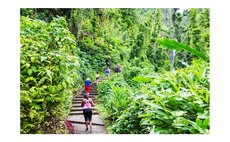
(87, 105)
(107, 72)
(88, 85)
(118, 69)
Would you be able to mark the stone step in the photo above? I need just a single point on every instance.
(81, 120)
(76, 105)
(77, 99)
(90, 96)
(76, 102)
(79, 109)
(82, 95)
(91, 91)
(80, 99)
(81, 113)
(80, 129)
(79, 102)
(77, 122)
(79, 106)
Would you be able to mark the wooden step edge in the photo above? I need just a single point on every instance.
(76, 102)
(79, 109)
(81, 113)
(83, 96)
(73, 107)
(78, 122)
(91, 92)
(79, 102)
(80, 99)
(90, 96)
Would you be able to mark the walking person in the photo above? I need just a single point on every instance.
(87, 105)
(97, 77)
(88, 85)
(118, 69)
(107, 72)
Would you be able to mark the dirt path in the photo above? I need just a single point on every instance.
(77, 119)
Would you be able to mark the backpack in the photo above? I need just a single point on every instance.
(117, 69)
(87, 104)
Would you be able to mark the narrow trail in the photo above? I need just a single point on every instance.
(76, 114)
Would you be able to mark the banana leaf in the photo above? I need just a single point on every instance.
(172, 44)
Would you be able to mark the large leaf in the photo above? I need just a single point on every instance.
(30, 71)
(142, 79)
(172, 44)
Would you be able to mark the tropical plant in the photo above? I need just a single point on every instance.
(62, 47)
(172, 44)
(49, 72)
(162, 103)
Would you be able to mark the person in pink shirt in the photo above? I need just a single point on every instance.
(87, 105)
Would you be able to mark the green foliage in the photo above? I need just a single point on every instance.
(180, 100)
(136, 68)
(45, 14)
(163, 103)
(145, 97)
(114, 97)
(141, 79)
(172, 44)
(198, 30)
(99, 38)
(49, 72)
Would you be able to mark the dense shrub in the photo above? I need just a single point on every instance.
(163, 103)
(49, 74)
(146, 97)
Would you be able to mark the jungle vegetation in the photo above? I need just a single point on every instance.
(164, 53)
